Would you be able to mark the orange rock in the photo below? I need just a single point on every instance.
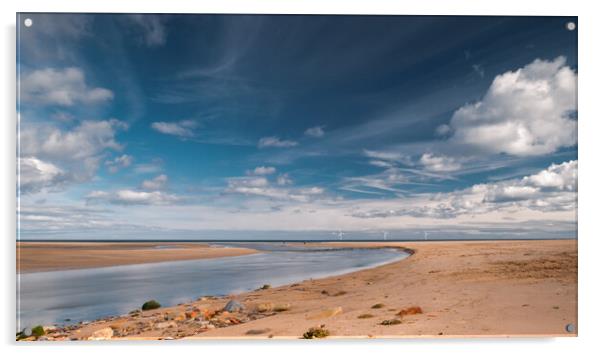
(412, 310)
(192, 314)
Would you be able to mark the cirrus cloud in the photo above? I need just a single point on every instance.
(274, 141)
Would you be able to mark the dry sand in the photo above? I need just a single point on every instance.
(46, 256)
(472, 288)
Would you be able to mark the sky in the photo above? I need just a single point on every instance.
(296, 127)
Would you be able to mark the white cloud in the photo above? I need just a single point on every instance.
(247, 182)
(158, 182)
(261, 187)
(151, 27)
(77, 152)
(561, 177)
(549, 182)
(184, 128)
(439, 163)
(273, 141)
(262, 171)
(524, 112)
(37, 175)
(119, 162)
(315, 132)
(550, 190)
(132, 197)
(66, 87)
(382, 164)
(283, 179)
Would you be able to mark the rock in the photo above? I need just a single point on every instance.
(234, 306)
(265, 307)
(192, 314)
(49, 329)
(207, 314)
(282, 307)
(327, 313)
(102, 334)
(253, 332)
(413, 310)
(163, 325)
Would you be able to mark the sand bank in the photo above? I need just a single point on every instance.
(46, 256)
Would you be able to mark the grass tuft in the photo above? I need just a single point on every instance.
(37, 331)
(316, 332)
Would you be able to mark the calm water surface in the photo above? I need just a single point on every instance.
(87, 294)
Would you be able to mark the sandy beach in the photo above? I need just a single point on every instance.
(47, 256)
(472, 288)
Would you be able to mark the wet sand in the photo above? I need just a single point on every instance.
(463, 288)
(47, 256)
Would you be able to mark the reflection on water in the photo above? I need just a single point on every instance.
(87, 294)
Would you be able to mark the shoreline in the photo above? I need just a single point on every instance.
(34, 257)
(463, 289)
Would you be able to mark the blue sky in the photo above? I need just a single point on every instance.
(217, 126)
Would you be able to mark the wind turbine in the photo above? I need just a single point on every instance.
(385, 234)
(426, 236)
(339, 234)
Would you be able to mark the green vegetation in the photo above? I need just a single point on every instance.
(150, 305)
(314, 332)
(38, 331)
(265, 287)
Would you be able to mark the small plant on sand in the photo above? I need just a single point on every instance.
(316, 332)
(413, 310)
(150, 305)
(378, 306)
(37, 331)
(265, 287)
(365, 315)
(390, 322)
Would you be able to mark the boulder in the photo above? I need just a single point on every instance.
(265, 307)
(234, 306)
(102, 334)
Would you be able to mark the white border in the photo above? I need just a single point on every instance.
(590, 60)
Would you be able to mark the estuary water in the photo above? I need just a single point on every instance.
(70, 296)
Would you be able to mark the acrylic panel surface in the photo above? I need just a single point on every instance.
(295, 176)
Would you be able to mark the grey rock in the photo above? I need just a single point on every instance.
(234, 306)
